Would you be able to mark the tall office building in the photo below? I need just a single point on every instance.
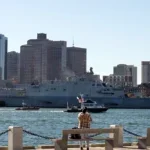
(126, 70)
(13, 66)
(56, 59)
(145, 69)
(76, 60)
(133, 72)
(42, 59)
(3, 56)
(121, 69)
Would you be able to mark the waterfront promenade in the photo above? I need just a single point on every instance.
(133, 147)
(103, 148)
(114, 140)
(126, 146)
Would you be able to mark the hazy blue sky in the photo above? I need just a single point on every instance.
(113, 31)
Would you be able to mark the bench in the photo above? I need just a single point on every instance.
(110, 143)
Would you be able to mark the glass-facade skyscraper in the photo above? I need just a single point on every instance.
(3, 57)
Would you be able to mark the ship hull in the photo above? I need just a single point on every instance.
(60, 102)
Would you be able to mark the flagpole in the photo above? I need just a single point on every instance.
(67, 105)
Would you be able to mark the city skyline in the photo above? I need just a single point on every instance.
(29, 41)
(128, 73)
(42, 59)
(114, 32)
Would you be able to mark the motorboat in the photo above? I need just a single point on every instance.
(92, 106)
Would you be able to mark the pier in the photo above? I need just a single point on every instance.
(113, 140)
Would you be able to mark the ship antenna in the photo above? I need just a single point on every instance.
(73, 42)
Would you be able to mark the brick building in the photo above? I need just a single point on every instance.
(144, 88)
(118, 80)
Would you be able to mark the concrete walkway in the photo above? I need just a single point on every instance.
(91, 148)
(102, 148)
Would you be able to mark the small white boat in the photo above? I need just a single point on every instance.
(25, 107)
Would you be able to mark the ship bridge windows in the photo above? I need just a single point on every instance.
(98, 84)
(53, 88)
(93, 84)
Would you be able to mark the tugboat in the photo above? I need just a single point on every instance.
(91, 106)
(25, 107)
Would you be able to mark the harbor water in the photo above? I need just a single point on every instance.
(51, 122)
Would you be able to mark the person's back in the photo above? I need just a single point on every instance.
(84, 122)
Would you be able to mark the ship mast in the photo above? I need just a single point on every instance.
(73, 42)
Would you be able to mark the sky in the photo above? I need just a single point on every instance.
(113, 31)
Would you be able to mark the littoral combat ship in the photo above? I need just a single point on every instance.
(56, 94)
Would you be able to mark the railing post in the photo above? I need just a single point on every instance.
(15, 138)
(148, 137)
(64, 144)
(118, 135)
